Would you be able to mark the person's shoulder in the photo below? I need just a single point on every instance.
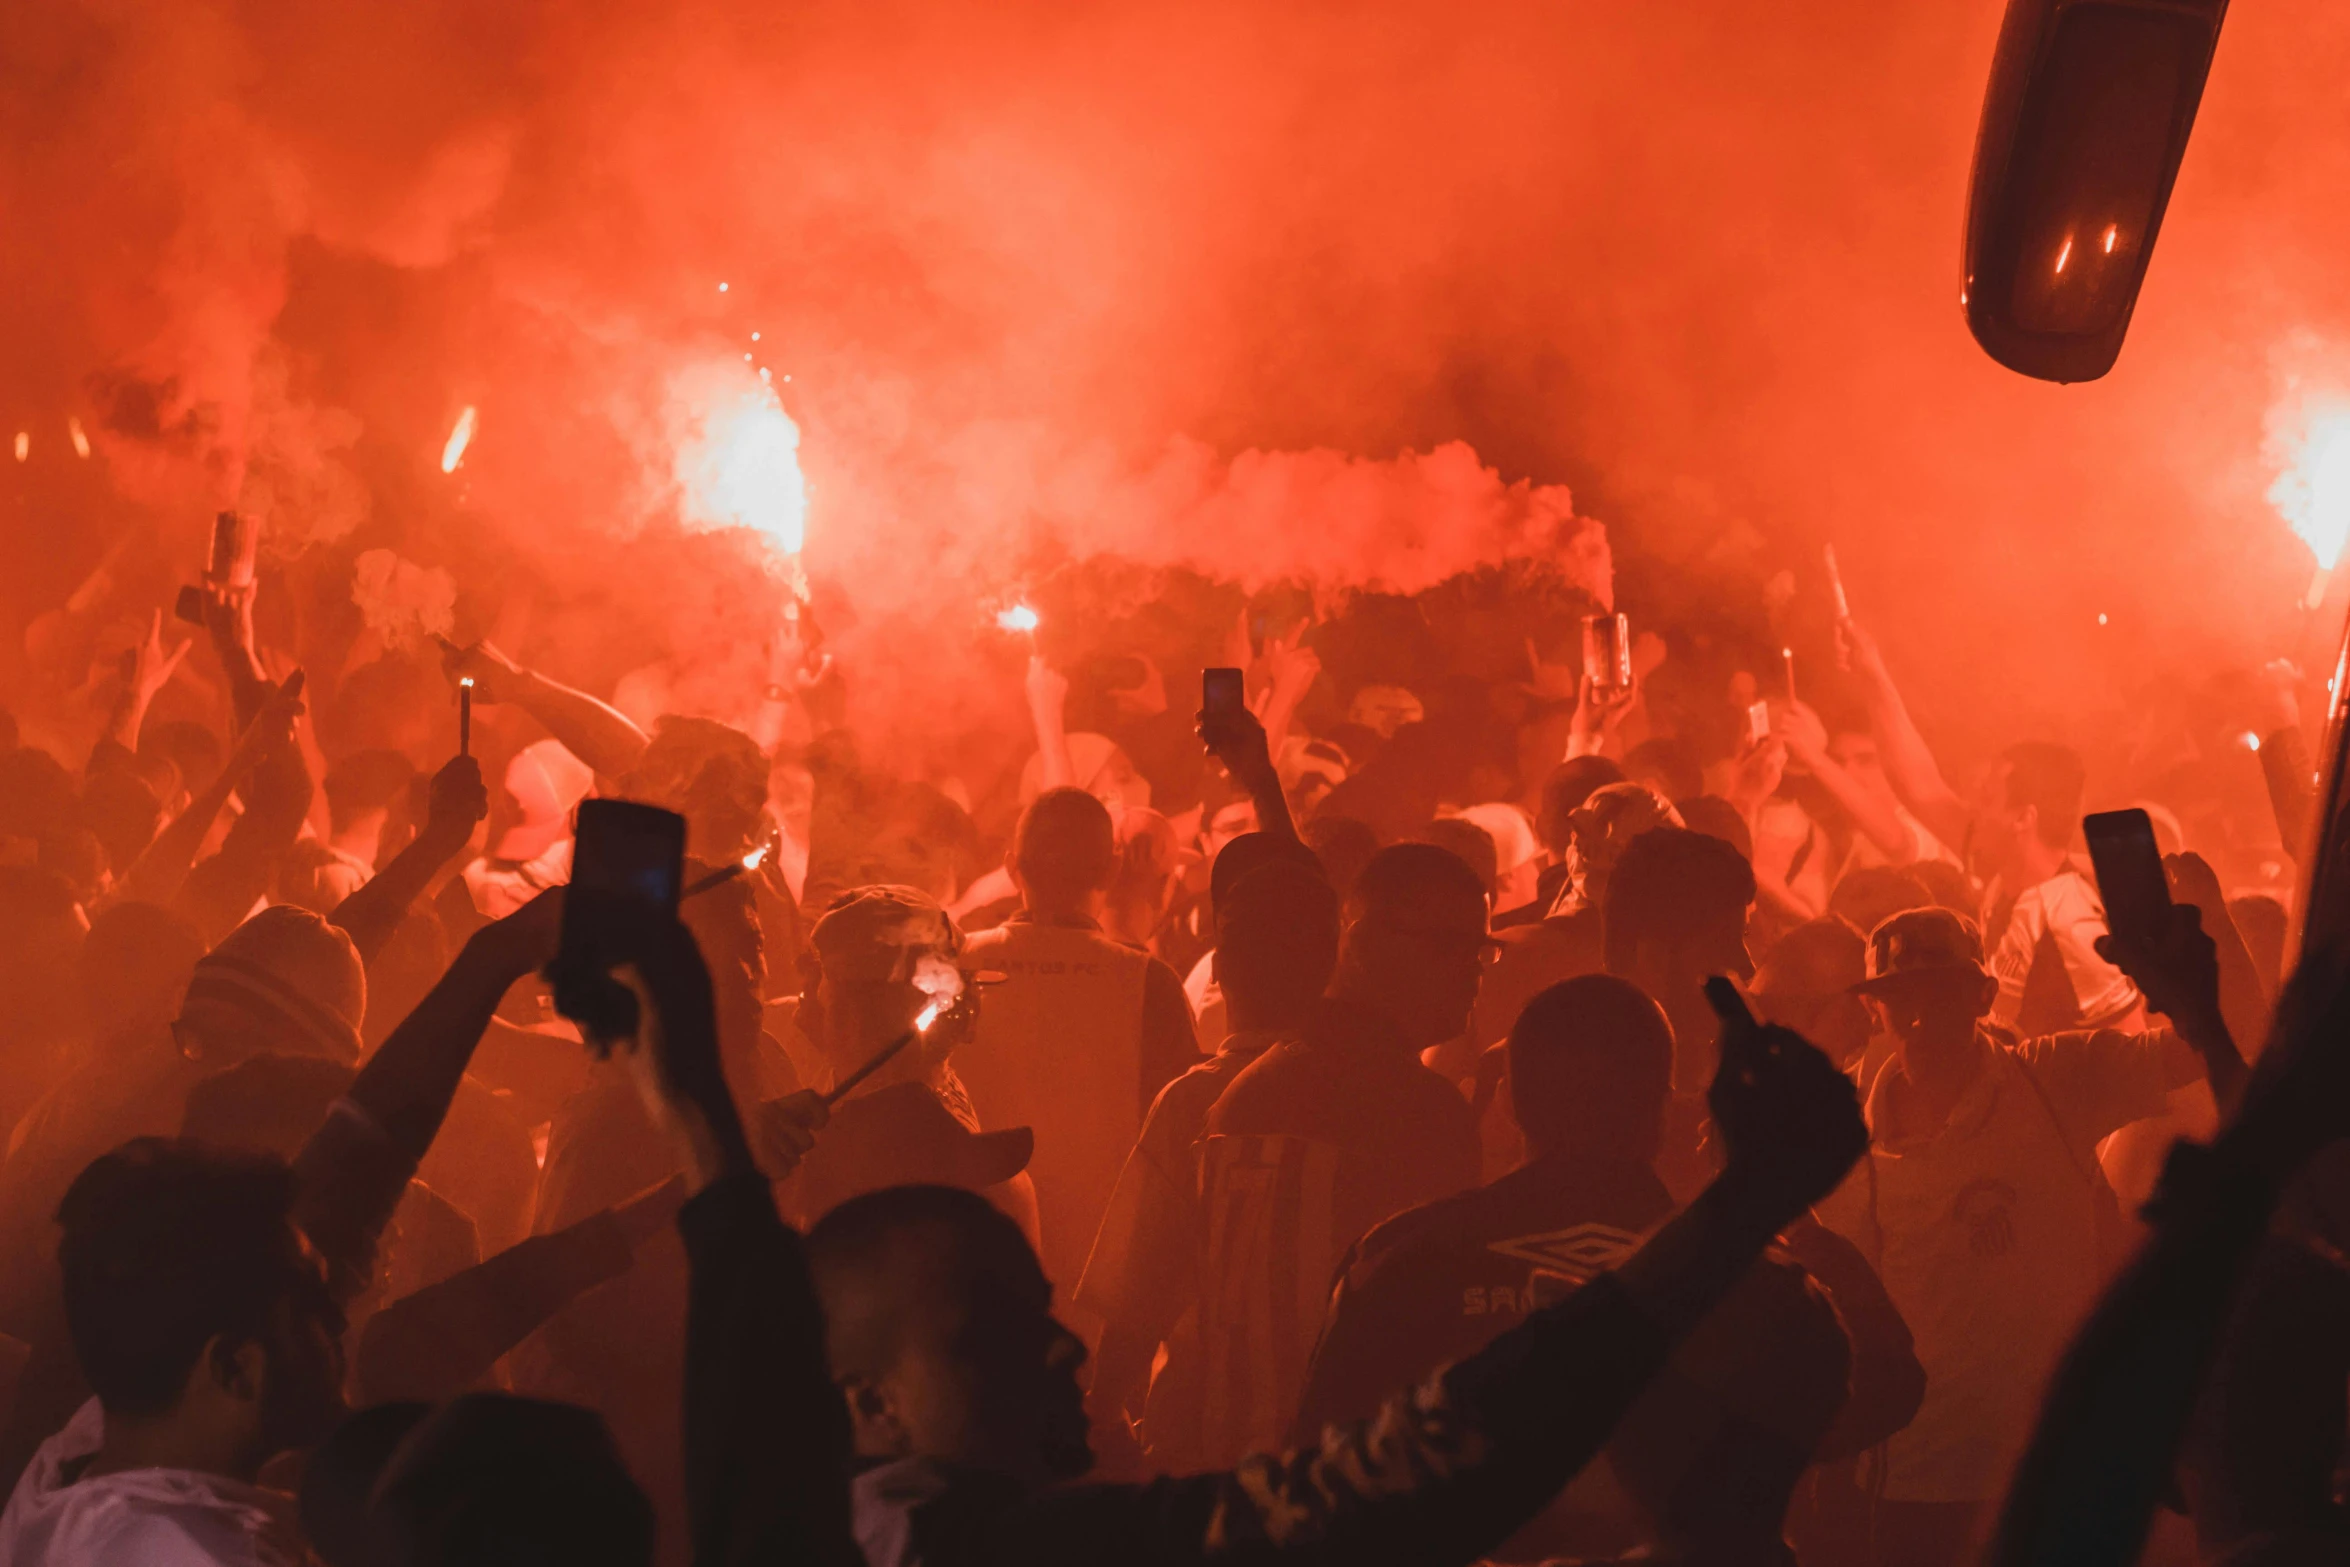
(170, 1518)
(1268, 1081)
(1413, 1237)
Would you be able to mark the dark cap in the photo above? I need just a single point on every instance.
(1921, 941)
(877, 933)
(903, 1135)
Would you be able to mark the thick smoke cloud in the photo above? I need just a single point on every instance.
(1040, 278)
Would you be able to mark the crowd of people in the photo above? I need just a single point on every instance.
(1407, 1117)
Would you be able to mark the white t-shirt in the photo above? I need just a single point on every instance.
(151, 1517)
(2062, 916)
(1986, 1233)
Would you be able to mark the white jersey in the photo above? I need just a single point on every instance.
(153, 1517)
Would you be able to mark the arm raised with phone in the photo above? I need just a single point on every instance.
(1234, 737)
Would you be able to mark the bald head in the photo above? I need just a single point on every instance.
(891, 1264)
(940, 1331)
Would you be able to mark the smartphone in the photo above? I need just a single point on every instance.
(1758, 722)
(2129, 870)
(635, 851)
(639, 850)
(1607, 650)
(1222, 696)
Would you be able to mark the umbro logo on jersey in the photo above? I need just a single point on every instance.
(1579, 1252)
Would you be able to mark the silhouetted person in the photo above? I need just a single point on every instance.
(1083, 1032)
(1710, 1454)
(207, 1328)
(1276, 946)
(1983, 1207)
(1676, 908)
(1326, 1134)
(1569, 940)
(2045, 913)
(966, 1420)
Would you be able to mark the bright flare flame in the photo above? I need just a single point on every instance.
(756, 858)
(2065, 254)
(1018, 618)
(928, 1015)
(461, 437)
(80, 438)
(24, 444)
(740, 468)
(2311, 446)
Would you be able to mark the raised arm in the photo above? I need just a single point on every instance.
(2109, 1430)
(157, 875)
(353, 1170)
(1445, 1473)
(1241, 744)
(1807, 743)
(2178, 971)
(146, 670)
(766, 1435)
(1909, 763)
(598, 733)
(445, 1338)
(374, 912)
(1048, 705)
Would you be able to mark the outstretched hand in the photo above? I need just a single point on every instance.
(1790, 1122)
(496, 678)
(1238, 740)
(2175, 967)
(271, 730)
(148, 667)
(675, 1049)
(783, 1130)
(459, 802)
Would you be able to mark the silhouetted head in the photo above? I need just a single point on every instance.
(285, 980)
(1675, 913)
(1064, 853)
(193, 1301)
(940, 1329)
(1591, 1065)
(1805, 983)
(2035, 805)
(1926, 983)
(1415, 945)
(485, 1480)
(1276, 944)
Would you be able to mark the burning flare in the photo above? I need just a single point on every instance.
(1018, 618)
(459, 438)
(739, 466)
(2310, 443)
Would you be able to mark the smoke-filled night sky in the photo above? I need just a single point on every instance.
(1188, 284)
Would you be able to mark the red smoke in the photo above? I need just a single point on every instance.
(1050, 279)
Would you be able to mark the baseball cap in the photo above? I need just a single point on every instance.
(1921, 941)
(877, 933)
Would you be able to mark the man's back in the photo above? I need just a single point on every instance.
(1404, 1135)
(1436, 1282)
(1076, 1041)
(1317, 1141)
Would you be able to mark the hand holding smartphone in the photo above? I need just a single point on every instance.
(629, 854)
(2130, 876)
